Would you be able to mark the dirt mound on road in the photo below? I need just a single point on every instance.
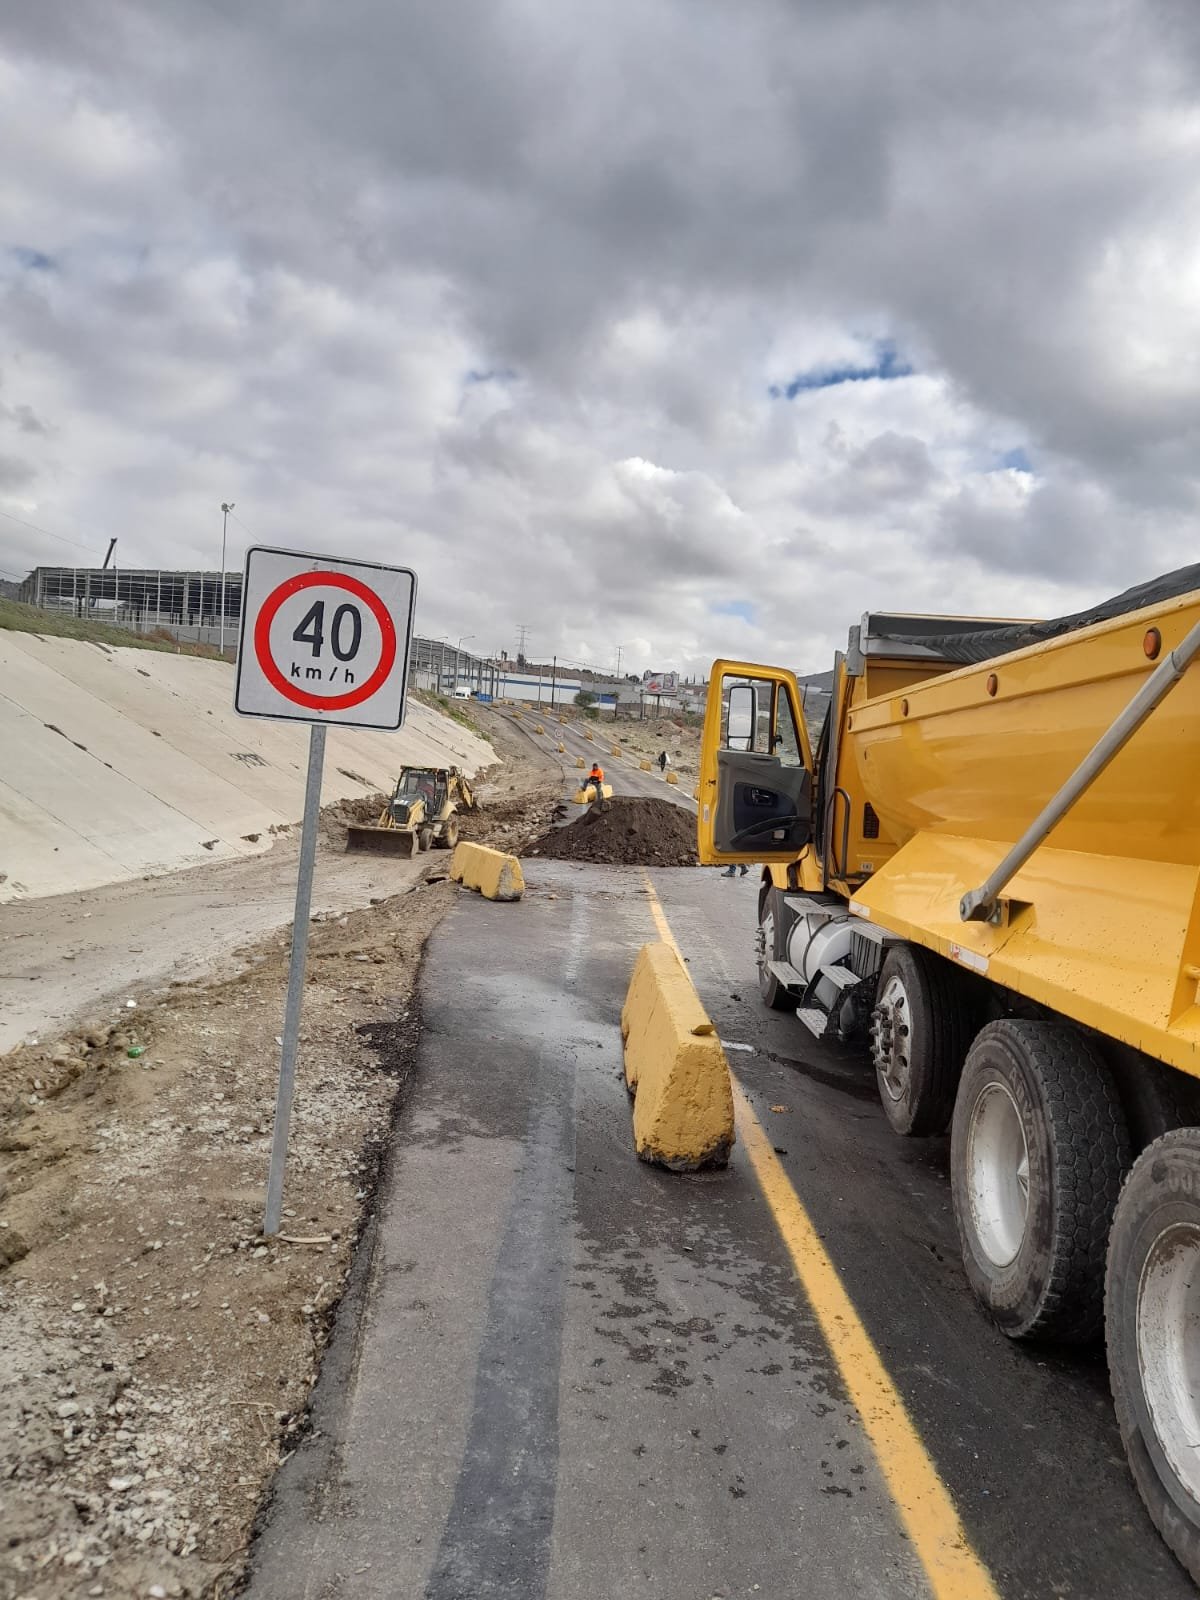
(629, 831)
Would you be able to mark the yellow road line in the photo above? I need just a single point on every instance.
(660, 916)
(922, 1500)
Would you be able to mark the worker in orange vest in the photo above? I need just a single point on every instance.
(596, 777)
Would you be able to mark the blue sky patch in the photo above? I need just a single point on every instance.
(492, 375)
(1016, 461)
(742, 609)
(32, 260)
(887, 364)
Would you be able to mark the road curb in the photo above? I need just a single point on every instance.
(674, 1067)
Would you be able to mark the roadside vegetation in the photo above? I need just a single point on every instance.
(18, 618)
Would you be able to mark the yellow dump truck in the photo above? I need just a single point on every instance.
(988, 870)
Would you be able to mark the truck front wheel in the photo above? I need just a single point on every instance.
(921, 1029)
(767, 950)
(1152, 1316)
(1038, 1149)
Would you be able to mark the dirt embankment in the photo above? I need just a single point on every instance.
(625, 831)
(157, 1352)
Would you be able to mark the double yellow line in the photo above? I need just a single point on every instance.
(922, 1500)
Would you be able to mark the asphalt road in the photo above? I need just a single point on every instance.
(561, 1373)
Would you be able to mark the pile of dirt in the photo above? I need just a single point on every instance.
(628, 830)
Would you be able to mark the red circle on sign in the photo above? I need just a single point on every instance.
(301, 697)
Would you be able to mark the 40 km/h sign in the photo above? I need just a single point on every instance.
(324, 640)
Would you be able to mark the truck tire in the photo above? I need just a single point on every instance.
(1152, 1321)
(1038, 1149)
(921, 1029)
(775, 996)
(448, 837)
(425, 838)
(1155, 1097)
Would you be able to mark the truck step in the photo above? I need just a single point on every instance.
(840, 977)
(785, 973)
(815, 1020)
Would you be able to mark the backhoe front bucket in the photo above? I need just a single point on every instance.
(381, 841)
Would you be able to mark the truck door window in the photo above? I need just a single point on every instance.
(786, 741)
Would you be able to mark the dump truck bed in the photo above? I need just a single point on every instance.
(942, 774)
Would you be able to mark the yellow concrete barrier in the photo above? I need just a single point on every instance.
(672, 777)
(616, 749)
(562, 749)
(564, 722)
(516, 715)
(675, 1068)
(646, 766)
(590, 736)
(539, 729)
(580, 762)
(495, 875)
(585, 796)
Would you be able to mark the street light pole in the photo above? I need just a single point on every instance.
(457, 648)
(226, 508)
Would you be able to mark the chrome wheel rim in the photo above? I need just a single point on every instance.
(1168, 1346)
(998, 1175)
(891, 1034)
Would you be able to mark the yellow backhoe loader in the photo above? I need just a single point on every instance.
(422, 812)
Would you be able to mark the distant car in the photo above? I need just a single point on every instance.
(462, 694)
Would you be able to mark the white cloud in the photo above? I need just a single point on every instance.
(502, 290)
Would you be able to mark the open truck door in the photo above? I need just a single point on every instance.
(755, 796)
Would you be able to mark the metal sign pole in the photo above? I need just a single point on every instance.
(295, 988)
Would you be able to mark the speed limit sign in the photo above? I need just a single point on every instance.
(324, 640)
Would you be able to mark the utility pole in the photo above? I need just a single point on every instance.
(457, 648)
(620, 648)
(226, 508)
(553, 682)
(523, 631)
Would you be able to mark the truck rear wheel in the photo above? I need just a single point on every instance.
(775, 996)
(1152, 1317)
(921, 1029)
(1038, 1149)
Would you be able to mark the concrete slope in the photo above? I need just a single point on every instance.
(128, 763)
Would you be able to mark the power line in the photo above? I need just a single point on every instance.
(61, 537)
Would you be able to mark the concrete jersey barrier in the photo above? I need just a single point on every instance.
(675, 1068)
(490, 872)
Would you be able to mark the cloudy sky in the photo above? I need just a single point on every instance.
(685, 327)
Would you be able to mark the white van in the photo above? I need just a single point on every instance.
(462, 694)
